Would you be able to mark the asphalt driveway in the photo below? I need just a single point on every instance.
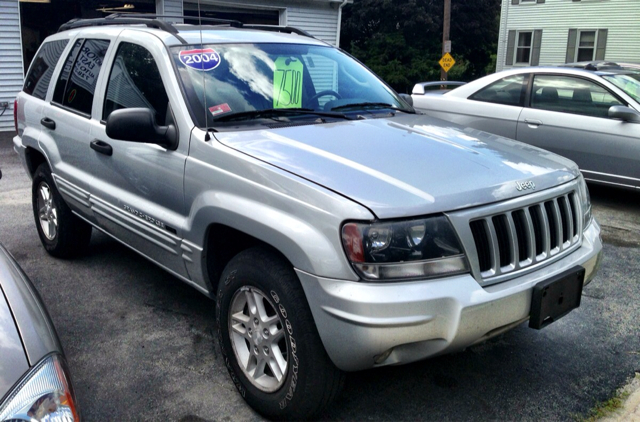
(140, 344)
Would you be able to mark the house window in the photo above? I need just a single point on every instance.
(586, 46)
(523, 50)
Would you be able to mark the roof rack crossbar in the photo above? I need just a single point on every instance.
(153, 21)
(284, 29)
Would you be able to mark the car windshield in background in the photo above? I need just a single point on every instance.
(227, 82)
(629, 83)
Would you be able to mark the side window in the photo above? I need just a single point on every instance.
(77, 82)
(135, 82)
(567, 94)
(508, 91)
(39, 76)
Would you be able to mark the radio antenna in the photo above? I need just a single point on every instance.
(204, 79)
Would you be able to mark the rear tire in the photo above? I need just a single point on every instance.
(62, 233)
(269, 340)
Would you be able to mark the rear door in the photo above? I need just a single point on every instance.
(568, 115)
(137, 192)
(65, 120)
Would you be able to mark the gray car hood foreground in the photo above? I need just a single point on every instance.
(405, 165)
(26, 331)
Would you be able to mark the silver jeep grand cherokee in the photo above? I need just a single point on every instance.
(336, 228)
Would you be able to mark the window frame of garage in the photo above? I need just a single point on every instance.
(573, 44)
(514, 2)
(513, 48)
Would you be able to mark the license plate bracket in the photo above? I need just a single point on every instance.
(554, 298)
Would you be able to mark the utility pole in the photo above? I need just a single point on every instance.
(445, 34)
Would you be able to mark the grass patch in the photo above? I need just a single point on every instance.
(615, 403)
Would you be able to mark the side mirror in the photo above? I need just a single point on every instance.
(407, 98)
(139, 125)
(625, 114)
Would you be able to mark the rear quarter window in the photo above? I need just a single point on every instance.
(41, 69)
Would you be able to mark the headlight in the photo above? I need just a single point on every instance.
(402, 250)
(44, 394)
(585, 202)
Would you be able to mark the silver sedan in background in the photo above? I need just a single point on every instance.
(590, 114)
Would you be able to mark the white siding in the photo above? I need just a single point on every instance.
(11, 67)
(555, 17)
(170, 7)
(321, 22)
(319, 18)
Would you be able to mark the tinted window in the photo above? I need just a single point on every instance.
(77, 82)
(508, 91)
(39, 76)
(135, 82)
(571, 95)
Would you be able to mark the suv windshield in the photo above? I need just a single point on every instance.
(227, 82)
(629, 83)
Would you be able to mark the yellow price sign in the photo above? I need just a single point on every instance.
(447, 62)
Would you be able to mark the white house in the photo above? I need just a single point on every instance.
(549, 32)
(321, 18)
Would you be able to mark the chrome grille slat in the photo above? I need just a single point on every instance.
(513, 242)
(526, 235)
(493, 243)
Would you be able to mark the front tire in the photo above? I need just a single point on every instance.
(269, 340)
(62, 233)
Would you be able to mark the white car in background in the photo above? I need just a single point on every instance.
(586, 112)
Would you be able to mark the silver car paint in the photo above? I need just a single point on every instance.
(26, 331)
(436, 166)
(606, 150)
(294, 187)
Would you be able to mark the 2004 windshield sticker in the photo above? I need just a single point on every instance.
(201, 59)
(287, 83)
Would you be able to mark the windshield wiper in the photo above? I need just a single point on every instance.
(371, 105)
(277, 112)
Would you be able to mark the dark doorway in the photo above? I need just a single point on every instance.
(39, 20)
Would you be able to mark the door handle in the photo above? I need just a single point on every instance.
(533, 122)
(101, 147)
(48, 123)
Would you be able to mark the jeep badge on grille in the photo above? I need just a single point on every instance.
(525, 185)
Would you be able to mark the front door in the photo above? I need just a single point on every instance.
(137, 195)
(569, 116)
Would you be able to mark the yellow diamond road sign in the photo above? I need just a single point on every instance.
(447, 62)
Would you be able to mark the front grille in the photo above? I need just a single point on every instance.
(525, 236)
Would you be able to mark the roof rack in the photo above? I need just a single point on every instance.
(152, 21)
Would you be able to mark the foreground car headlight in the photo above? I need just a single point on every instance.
(585, 202)
(402, 250)
(43, 394)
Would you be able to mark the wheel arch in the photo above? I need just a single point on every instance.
(33, 159)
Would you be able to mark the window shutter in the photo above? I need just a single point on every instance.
(511, 43)
(515, 1)
(571, 46)
(602, 43)
(535, 48)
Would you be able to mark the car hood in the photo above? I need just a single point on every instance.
(26, 331)
(13, 363)
(405, 165)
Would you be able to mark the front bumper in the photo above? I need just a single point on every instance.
(365, 325)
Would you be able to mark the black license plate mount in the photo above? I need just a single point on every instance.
(554, 298)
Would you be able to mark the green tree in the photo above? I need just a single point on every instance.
(401, 40)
